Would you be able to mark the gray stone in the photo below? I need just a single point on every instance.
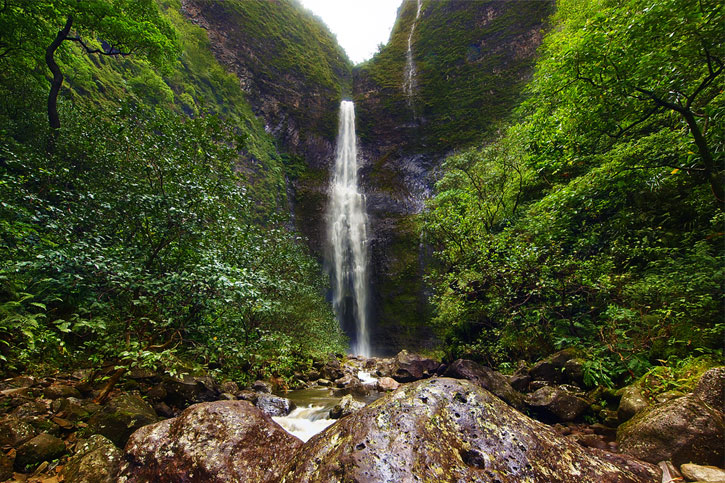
(274, 405)
(487, 378)
(409, 367)
(56, 390)
(632, 402)
(683, 430)
(710, 388)
(14, 432)
(557, 404)
(43, 447)
(96, 460)
(346, 406)
(262, 386)
(387, 384)
(215, 442)
(452, 430)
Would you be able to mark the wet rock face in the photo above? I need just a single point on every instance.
(445, 429)
(209, 442)
(122, 416)
(487, 378)
(556, 404)
(43, 447)
(632, 402)
(409, 367)
(96, 460)
(274, 405)
(710, 388)
(681, 430)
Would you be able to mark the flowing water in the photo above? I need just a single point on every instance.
(409, 75)
(347, 236)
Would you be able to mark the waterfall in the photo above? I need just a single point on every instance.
(409, 75)
(347, 235)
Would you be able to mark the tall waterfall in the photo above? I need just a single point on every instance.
(409, 75)
(347, 235)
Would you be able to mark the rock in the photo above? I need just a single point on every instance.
(487, 378)
(248, 395)
(182, 392)
(668, 396)
(346, 406)
(226, 396)
(71, 409)
(632, 402)
(682, 430)
(123, 415)
(332, 369)
(157, 393)
(6, 465)
(520, 380)
(551, 369)
(274, 405)
(96, 460)
(702, 473)
(14, 432)
(669, 472)
(312, 375)
(412, 367)
(445, 429)
(262, 386)
(229, 386)
(556, 403)
(710, 388)
(43, 447)
(324, 382)
(574, 371)
(385, 384)
(29, 410)
(210, 442)
(164, 410)
(56, 390)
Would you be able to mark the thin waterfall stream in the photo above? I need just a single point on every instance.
(348, 236)
(409, 75)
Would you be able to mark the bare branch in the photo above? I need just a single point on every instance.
(111, 52)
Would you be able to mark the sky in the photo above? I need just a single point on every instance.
(359, 25)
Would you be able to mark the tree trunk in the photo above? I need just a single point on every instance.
(711, 169)
(57, 80)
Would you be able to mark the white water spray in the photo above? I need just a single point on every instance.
(409, 75)
(347, 234)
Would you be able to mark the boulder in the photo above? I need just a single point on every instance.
(332, 369)
(14, 432)
(123, 415)
(210, 442)
(182, 392)
(96, 460)
(551, 369)
(409, 367)
(710, 388)
(346, 406)
(385, 384)
(682, 430)
(702, 473)
(56, 390)
(487, 378)
(71, 409)
(274, 405)
(6, 465)
(229, 386)
(443, 429)
(43, 447)
(631, 402)
(557, 404)
(262, 386)
(574, 371)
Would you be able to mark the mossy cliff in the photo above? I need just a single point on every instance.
(471, 61)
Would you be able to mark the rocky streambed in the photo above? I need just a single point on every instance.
(407, 418)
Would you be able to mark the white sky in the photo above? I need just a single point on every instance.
(359, 25)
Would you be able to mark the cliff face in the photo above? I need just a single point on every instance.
(470, 61)
(294, 74)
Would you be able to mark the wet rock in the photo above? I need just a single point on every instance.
(574, 371)
(164, 410)
(332, 369)
(96, 460)
(123, 415)
(710, 388)
(520, 380)
(14, 432)
(157, 393)
(211, 442)
(324, 382)
(56, 390)
(274, 405)
(385, 384)
(551, 369)
(409, 367)
(632, 402)
(248, 395)
(262, 386)
(668, 396)
(557, 404)
(682, 430)
(43, 447)
(444, 429)
(702, 473)
(182, 392)
(487, 378)
(312, 375)
(229, 386)
(347, 406)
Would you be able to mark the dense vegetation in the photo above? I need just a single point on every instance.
(151, 227)
(597, 219)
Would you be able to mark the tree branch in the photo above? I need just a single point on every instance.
(111, 51)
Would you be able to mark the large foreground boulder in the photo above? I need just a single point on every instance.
(487, 378)
(209, 442)
(681, 430)
(449, 430)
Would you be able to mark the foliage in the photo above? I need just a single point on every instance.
(591, 222)
(179, 266)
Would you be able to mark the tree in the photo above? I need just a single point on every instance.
(101, 27)
(618, 66)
